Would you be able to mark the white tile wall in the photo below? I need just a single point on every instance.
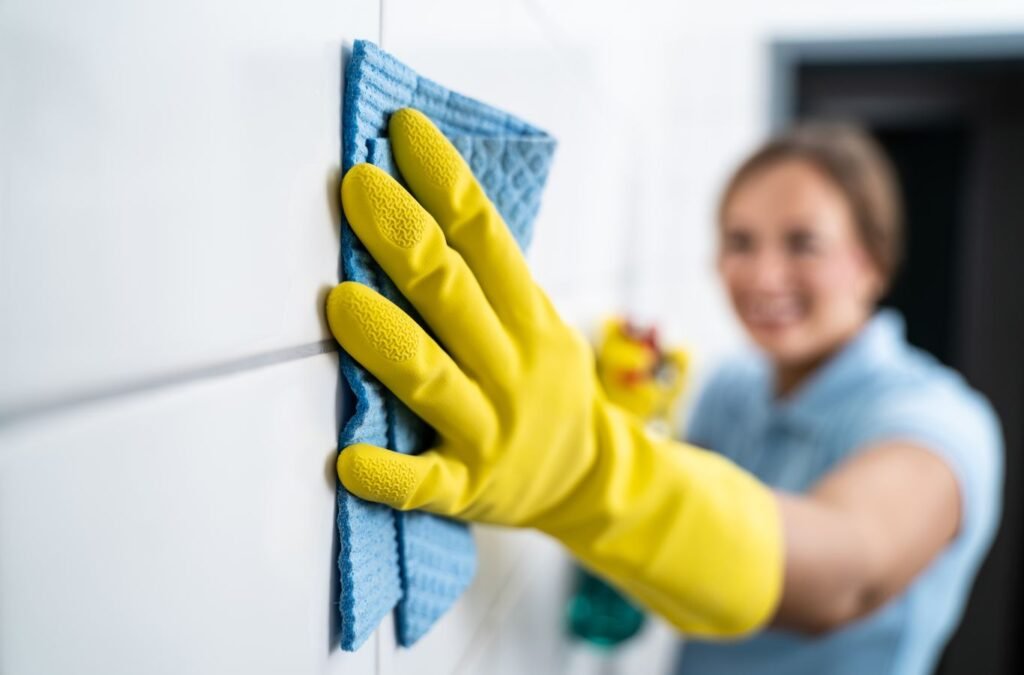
(168, 178)
(167, 207)
(188, 530)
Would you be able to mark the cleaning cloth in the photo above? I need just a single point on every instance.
(415, 562)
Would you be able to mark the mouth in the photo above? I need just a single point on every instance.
(773, 314)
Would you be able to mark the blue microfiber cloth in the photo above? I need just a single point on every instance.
(418, 561)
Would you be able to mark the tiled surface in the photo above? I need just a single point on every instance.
(168, 177)
(184, 531)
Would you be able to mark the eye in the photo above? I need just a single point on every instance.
(737, 241)
(802, 242)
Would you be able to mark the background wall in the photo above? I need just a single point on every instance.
(168, 229)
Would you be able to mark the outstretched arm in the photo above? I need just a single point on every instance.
(863, 533)
(527, 438)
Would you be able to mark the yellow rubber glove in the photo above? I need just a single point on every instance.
(638, 375)
(525, 435)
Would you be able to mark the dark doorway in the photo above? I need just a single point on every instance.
(950, 112)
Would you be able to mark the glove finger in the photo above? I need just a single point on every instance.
(406, 241)
(430, 481)
(388, 343)
(445, 185)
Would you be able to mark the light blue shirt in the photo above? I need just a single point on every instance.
(878, 388)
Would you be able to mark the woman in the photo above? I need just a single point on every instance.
(838, 405)
(856, 488)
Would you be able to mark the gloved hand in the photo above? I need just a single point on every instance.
(638, 374)
(525, 435)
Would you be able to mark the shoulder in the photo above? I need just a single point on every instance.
(918, 393)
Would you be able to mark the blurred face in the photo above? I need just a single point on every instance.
(793, 264)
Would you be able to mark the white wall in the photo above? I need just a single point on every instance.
(168, 177)
(168, 229)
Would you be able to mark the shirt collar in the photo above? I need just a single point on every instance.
(877, 344)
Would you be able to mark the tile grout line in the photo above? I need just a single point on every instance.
(60, 403)
(490, 624)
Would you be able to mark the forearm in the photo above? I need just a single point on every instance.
(861, 535)
(832, 573)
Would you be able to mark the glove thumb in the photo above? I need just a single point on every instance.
(429, 481)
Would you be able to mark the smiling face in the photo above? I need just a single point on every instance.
(793, 263)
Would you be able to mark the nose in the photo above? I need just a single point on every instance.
(768, 270)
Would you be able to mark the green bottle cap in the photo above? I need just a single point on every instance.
(599, 614)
